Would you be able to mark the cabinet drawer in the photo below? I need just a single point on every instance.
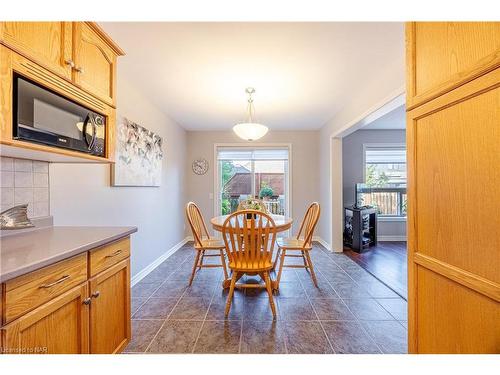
(104, 257)
(26, 292)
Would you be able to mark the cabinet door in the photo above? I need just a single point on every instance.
(58, 327)
(47, 43)
(95, 63)
(110, 309)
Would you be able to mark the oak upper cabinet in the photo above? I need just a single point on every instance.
(59, 326)
(80, 52)
(47, 43)
(110, 309)
(95, 62)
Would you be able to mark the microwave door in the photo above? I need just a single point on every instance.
(42, 116)
(89, 123)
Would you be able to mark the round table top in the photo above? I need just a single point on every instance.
(282, 222)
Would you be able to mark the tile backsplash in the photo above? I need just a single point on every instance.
(25, 181)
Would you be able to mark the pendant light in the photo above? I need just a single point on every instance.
(250, 130)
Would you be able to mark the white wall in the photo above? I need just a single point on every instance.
(352, 170)
(385, 86)
(305, 174)
(81, 193)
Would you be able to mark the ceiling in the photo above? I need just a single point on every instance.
(394, 120)
(303, 73)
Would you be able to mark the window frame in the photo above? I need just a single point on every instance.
(367, 146)
(253, 145)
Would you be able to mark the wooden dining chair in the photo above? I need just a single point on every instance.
(203, 242)
(302, 242)
(249, 236)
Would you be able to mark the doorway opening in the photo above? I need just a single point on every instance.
(374, 195)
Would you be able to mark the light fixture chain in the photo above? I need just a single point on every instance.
(251, 109)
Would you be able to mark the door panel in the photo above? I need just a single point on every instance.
(455, 319)
(447, 54)
(453, 178)
(456, 169)
(95, 64)
(58, 327)
(110, 310)
(48, 43)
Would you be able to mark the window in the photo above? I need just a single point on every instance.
(245, 172)
(385, 175)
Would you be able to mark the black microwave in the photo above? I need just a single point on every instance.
(43, 116)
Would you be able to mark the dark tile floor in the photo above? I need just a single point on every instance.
(342, 316)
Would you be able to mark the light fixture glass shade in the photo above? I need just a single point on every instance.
(250, 131)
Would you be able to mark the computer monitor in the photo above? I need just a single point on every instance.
(360, 190)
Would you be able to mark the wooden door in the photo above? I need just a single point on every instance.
(110, 309)
(47, 43)
(453, 137)
(95, 63)
(58, 327)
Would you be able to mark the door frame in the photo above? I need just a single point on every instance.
(336, 188)
(288, 182)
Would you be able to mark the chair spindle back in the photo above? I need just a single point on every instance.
(196, 223)
(309, 223)
(249, 236)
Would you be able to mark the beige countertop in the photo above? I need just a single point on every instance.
(25, 252)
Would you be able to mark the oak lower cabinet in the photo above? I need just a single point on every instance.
(110, 309)
(91, 317)
(59, 326)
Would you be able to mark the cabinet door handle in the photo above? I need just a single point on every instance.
(118, 252)
(61, 280)
(87, 301)
(70, 63)
(79, 69)
(96, 294)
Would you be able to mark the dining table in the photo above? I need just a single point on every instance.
(282, 223)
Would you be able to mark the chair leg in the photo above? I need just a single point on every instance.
(269, 289)
(223, 260)
(231, 292)
(311, 268)
(194, 267)
(282, 261)
(201, 259)
(276, 260)
(304, 258)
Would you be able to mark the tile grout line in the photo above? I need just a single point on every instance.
(241, 336)
(170, 313)
(315, 313)
(164, 321)
(159, 286)
(359, 322)
(376, 300)
(147, 299)
(204, 320)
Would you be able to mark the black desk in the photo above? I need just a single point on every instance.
(360, 227)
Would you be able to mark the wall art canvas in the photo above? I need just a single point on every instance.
(138, 157)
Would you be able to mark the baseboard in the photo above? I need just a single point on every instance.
(391, 238)
(325, 244)
(148, 269)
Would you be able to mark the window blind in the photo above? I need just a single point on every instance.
(385, 155)
(252, 154)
